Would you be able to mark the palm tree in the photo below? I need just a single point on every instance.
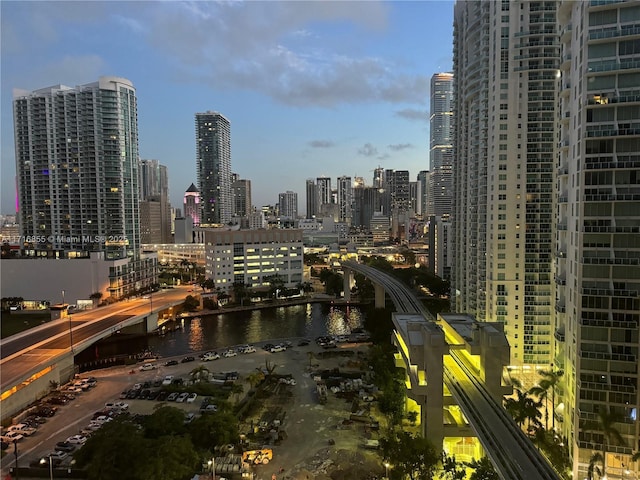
(549, 382)
(199, 374)
(605, 426)
(595, 459)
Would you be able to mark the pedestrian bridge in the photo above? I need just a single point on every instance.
(456, 359)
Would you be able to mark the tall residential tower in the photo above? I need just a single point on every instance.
(506, 61)
(213, 158)
(77, 167)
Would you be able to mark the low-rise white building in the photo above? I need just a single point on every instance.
(251, 256)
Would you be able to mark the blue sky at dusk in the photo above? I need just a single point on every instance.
(310, 88)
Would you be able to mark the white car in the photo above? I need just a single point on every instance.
(192, 397)
(249, 349)
(11, 437)
(278, 348)
(182, 397)
(230, 353)
(167, 380)
(147, 366)
(210, 356)
(22, 429)
(77, 439)
(58, 454)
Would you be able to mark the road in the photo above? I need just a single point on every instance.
(24, 353)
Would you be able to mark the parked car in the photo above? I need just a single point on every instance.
(189, 417)
(268, 346)
(188, 359)
(182, 397)
(192, 397)
(46, 411)
(147, 366)
(249, 349)
(22, 429)
(144, 394)
(210, 356)
(12, 437)
(229, 353)
(162, 396)
(58, 455)
(153, 394)
(65, 447)
(172, 397)
(278, 348)
(304, 342)
(171, 363)
(77, 439)
(167, 380)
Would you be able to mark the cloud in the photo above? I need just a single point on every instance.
(281, 50)
(69, 70)
(368, 150)
(400, 146)
(413, 114)
(321, 143)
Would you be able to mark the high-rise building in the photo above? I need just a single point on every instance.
(441, 145)
(312, 198)
(324, 191)
(154, 199)
(77, 167)
(191, 204)
(288, 204)
(241, 191)
(213, 159)
(345, 199)
(596, 252)
(506, 61)
(422, 192)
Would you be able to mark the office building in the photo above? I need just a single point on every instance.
(504, 162)
(241, 191)
(597, 244)
(213, 160)
(441, 146)
(191, 204)
(250, 257)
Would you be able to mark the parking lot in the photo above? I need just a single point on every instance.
(319, 437)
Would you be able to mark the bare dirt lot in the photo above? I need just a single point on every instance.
(319, 439)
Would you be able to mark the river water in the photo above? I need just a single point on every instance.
(214, 332)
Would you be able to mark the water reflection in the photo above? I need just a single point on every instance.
(217, 332)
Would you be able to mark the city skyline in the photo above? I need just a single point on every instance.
(331, 89)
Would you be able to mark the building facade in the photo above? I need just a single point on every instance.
(504, 162)
(77, 168)
(288, 204)
(250, 257)
(323, 185)
(213, 161)
(191, 204)
(154, 203)
(345, 199)
(597, 243)
(312, 198)
(441, 146)
(242, 203)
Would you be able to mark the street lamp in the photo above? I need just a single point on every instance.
(386, 469)
(212, 465)
(15, 453)
(43, 461)
(66, 310)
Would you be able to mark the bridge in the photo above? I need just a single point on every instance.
(32, 359)
(446, 362)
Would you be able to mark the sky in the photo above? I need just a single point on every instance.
(311, 88)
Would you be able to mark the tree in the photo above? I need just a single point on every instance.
(413, 456)
(595, 460)
(212, 429)
(483, 470)
(276, 283)
(523, 408)
(240, 292)
(548, 383)
(199, 374)
(452, 470)
(604, 425)
(190, 304)
(165, 420)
